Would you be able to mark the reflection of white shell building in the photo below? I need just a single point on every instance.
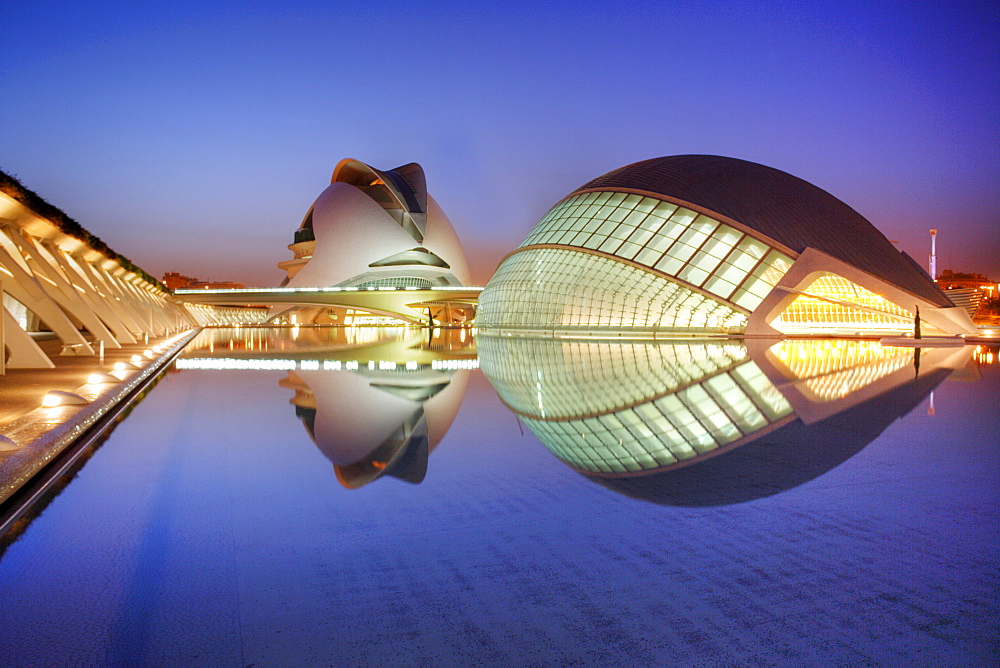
(375, 400)
(698, 243)
(371, 423)
(374, 229)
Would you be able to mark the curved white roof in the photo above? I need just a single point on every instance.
(440, 238)
(354, 223)
(351, 231)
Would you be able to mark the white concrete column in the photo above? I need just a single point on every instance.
(24, 352)
(100, 303)
(27, 290)
(61, 290)
(119, 301)
(139, 304)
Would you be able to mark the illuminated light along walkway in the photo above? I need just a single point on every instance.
(404, 303)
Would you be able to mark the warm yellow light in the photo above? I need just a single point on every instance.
(59, 398)
(99, 378)
(136, 359)
(148, 353)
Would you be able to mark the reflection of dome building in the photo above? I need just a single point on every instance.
(371, 423)
(611, 408)
(374, 229)
(710, 244)
(707, 421)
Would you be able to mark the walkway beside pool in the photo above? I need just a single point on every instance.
(32, 434)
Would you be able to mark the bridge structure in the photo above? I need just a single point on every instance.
(419, 306)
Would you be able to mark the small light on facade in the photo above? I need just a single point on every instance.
(60, 398)
(147, 353)
(100, 378)
(136, 359)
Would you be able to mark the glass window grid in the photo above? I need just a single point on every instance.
(678, 237)
(808, 312)
(561, 379)
(834, 369)
(762, 392)
(658, 433)
(737, 404)
(583, 290)
(397, 282)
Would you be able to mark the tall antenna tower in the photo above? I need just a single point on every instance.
(933, 259)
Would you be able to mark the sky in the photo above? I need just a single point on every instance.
(194, 136)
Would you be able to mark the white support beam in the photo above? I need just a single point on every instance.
(24, 288)
(24, 352)
(91, 296)
(60, 289)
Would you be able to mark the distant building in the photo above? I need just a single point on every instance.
(949, 280)
(967, 290)
(710, 245)
(175, 281)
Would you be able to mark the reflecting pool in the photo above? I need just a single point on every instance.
(365, 496)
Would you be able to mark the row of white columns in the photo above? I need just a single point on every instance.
(76, 292)
(207, 316)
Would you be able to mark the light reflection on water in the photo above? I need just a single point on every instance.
(795, 517)
(639, 414)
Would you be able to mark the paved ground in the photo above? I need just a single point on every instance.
(21, 390)
(40, 434)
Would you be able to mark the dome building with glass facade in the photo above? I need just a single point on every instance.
(710, 245)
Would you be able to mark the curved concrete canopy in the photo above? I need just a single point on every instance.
(406, 185)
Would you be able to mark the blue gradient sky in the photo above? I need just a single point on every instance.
(193, 136)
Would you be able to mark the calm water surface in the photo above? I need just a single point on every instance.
(363, 497)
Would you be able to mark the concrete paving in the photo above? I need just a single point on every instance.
(21, 390)
(31, 435)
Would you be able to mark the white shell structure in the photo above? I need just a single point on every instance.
(373, 228)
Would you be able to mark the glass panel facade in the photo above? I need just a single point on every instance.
(677, 241)
(564, 378)
(397, 282)
(831, 303)
(614, 408)
(834, 369)
(555, 288)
